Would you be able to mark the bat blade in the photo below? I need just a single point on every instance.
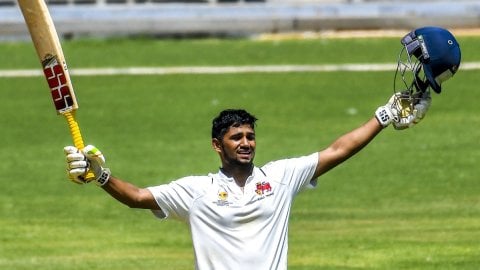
(49, 50)
(47, 45)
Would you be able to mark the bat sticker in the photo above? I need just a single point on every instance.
(57, 81)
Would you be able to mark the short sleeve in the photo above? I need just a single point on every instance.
(176, 197)
(295, 172)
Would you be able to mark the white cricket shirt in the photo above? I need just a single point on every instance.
(233, 228)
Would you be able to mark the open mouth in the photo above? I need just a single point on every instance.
(244, 153)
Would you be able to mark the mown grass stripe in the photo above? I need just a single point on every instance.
(219, 69)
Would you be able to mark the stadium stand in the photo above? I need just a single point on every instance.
(77, 18)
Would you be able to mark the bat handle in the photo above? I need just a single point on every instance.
(77, 138)
(74, 130)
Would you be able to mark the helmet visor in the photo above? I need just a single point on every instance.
(437, 81)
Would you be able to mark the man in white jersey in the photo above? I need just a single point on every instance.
(239, 215)
(241, 209)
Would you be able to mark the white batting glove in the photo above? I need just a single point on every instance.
(411, 111)
(97, 161)
(404, 112)
(88, 159)
(77, 165)
(421, 108)
(385, 114)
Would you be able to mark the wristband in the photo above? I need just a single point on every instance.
(103, 178)
(383, 116)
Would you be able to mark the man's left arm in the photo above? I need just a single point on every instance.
(346, 146)
(400, 115)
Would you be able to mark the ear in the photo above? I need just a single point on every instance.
(217, 145)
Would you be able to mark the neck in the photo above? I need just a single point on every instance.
(239, 173)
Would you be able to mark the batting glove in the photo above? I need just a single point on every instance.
(411, 110)
(77, 165)
(386, 114)
(404, 111)
(422, 106)
(88, 159)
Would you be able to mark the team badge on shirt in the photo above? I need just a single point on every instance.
(222, 197)
(263, 188)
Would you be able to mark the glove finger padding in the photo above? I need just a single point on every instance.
(77, 165)
(409, 110)
(75, 157)
(70, 150)
(421, 108)
(95, 157)
(97, 162)
(93, 153)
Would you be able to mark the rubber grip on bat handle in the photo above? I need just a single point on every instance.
(77, 138)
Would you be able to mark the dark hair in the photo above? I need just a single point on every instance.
(228, 118)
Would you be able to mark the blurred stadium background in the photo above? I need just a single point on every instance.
(198, 18)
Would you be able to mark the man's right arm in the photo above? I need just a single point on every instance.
(130, 195)
(90, 158)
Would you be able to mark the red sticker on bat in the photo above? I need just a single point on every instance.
(57, 81)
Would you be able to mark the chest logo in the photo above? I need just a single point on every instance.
(222, 195)
(263, 188)
(222, 198)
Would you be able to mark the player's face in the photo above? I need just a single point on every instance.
(237, 146)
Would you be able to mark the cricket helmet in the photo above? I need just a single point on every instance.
(433, 50)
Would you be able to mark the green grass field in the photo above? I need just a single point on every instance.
(410, 200)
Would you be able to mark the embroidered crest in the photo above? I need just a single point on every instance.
(222, 198)
(263, 187)
(222, 195)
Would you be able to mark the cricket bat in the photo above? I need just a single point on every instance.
(49, 51)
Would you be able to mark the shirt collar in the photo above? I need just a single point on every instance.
(222, 176)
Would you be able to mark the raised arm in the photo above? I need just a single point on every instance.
(79, 161)
(346, 146)
(401, 115)
(130, 195)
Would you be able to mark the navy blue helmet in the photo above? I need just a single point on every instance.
(433, 49)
